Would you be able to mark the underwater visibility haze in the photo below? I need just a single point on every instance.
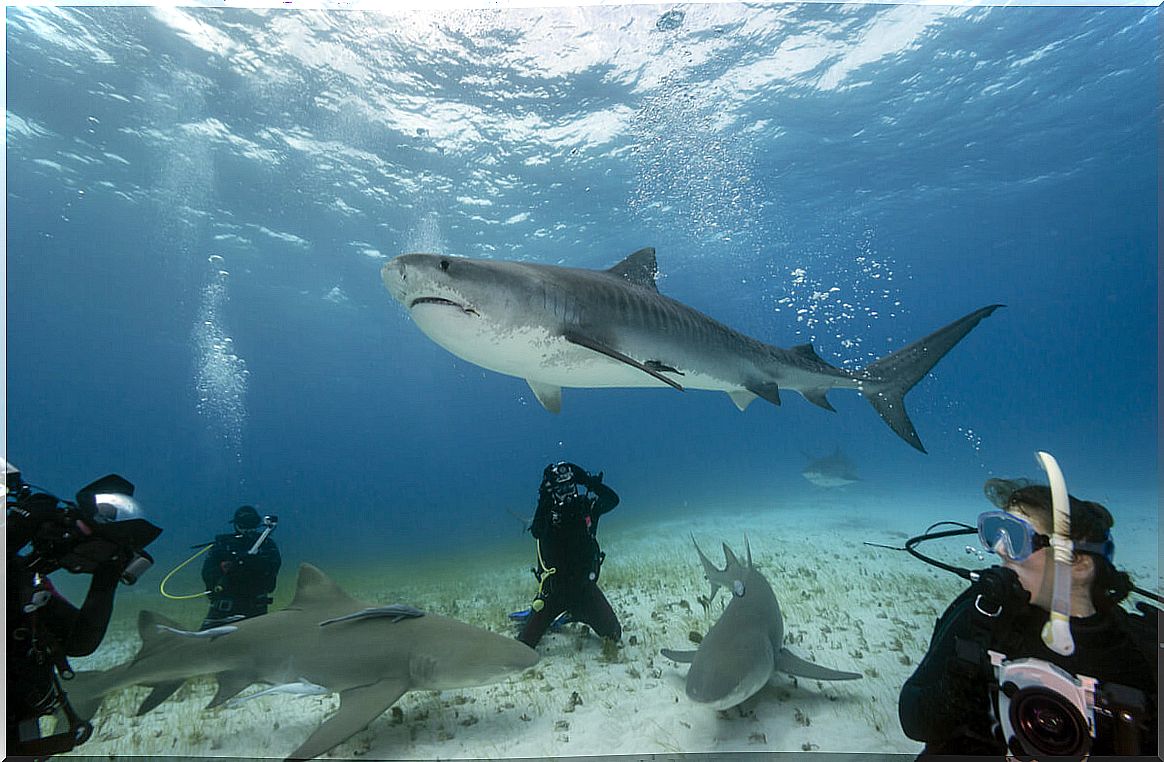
(200, 202)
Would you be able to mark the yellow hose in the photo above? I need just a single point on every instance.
(538, 602)
(176, 569)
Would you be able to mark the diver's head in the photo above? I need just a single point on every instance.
(245, 518)
(563, 480)
(1020, 533)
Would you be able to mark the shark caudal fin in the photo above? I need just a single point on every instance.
(886, 381)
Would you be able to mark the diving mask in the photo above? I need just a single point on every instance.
(1018, 538)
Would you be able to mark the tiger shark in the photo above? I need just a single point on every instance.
(567, 327)
(744, 649)
(370, 655)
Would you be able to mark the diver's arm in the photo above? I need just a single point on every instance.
(607, 498)
(86, 627)
(211, 569)
(936, 702)
(541, 518)
(271, 563)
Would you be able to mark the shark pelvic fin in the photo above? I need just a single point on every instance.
(769, 391)
(358, 707)
(585, 341)
(639, 268)
(549, 395)
(742, 398)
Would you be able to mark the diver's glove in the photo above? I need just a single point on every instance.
(999, 594)
(593, 480)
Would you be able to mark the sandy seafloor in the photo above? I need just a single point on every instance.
(846, 606)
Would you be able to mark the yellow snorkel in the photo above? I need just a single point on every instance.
(1057, 631)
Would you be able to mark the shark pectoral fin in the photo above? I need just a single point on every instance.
(742, 398)
(683, 657)
(160, 693)
(549, 395)
(230, 684)
(358, 707)
(769, 391)
(786, 661)
(585, 341)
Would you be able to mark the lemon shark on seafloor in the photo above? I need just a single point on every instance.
(566, 327)
(370, 655)
(744, 649)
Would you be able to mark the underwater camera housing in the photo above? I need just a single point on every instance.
(271, 521)
(1044, 710)
(103, 526)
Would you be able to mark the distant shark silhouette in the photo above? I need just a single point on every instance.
(831, 471)
(745, 647)
(323, 639)
(560, 326)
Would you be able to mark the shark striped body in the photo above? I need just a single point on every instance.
(566, 327)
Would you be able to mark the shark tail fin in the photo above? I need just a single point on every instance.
(886, 381)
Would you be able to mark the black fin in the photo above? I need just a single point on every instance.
(818, 398)
(768, 391)
(639, 268)
(586, 341)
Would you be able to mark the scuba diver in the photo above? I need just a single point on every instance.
(241, 569)
(565, 525)
(102, 534)
(1037, 657)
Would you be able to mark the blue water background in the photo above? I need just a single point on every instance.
(924, 161)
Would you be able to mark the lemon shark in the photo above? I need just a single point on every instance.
(744, 649)
(370, 655)
(834, 470)
(566, 327)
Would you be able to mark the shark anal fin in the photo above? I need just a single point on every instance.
(639, 268)
(549, 395)
(818, 398)
(160, 693)
(358, 707)
(786, 661)
(585, 341)
(683, 657)
(768, 391)
(230, 684)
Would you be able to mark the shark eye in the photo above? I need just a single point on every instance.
(444, 265)
(738, 588)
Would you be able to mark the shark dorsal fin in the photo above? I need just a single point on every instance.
(806, 351)
(316, 587)
(639, 268)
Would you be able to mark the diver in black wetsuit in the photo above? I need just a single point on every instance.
(950, 701)
(102, 534)
(570, 502)
(241, 569)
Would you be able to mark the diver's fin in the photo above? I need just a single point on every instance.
(548, 394)
(358, 707)
(742, 398)
(230, 684)
(683, 657)
(639, 268)
(585, 341)
(786, 661)
(160, 693)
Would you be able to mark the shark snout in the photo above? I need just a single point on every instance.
(395, 277)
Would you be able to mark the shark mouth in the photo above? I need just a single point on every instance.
(445, 302)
